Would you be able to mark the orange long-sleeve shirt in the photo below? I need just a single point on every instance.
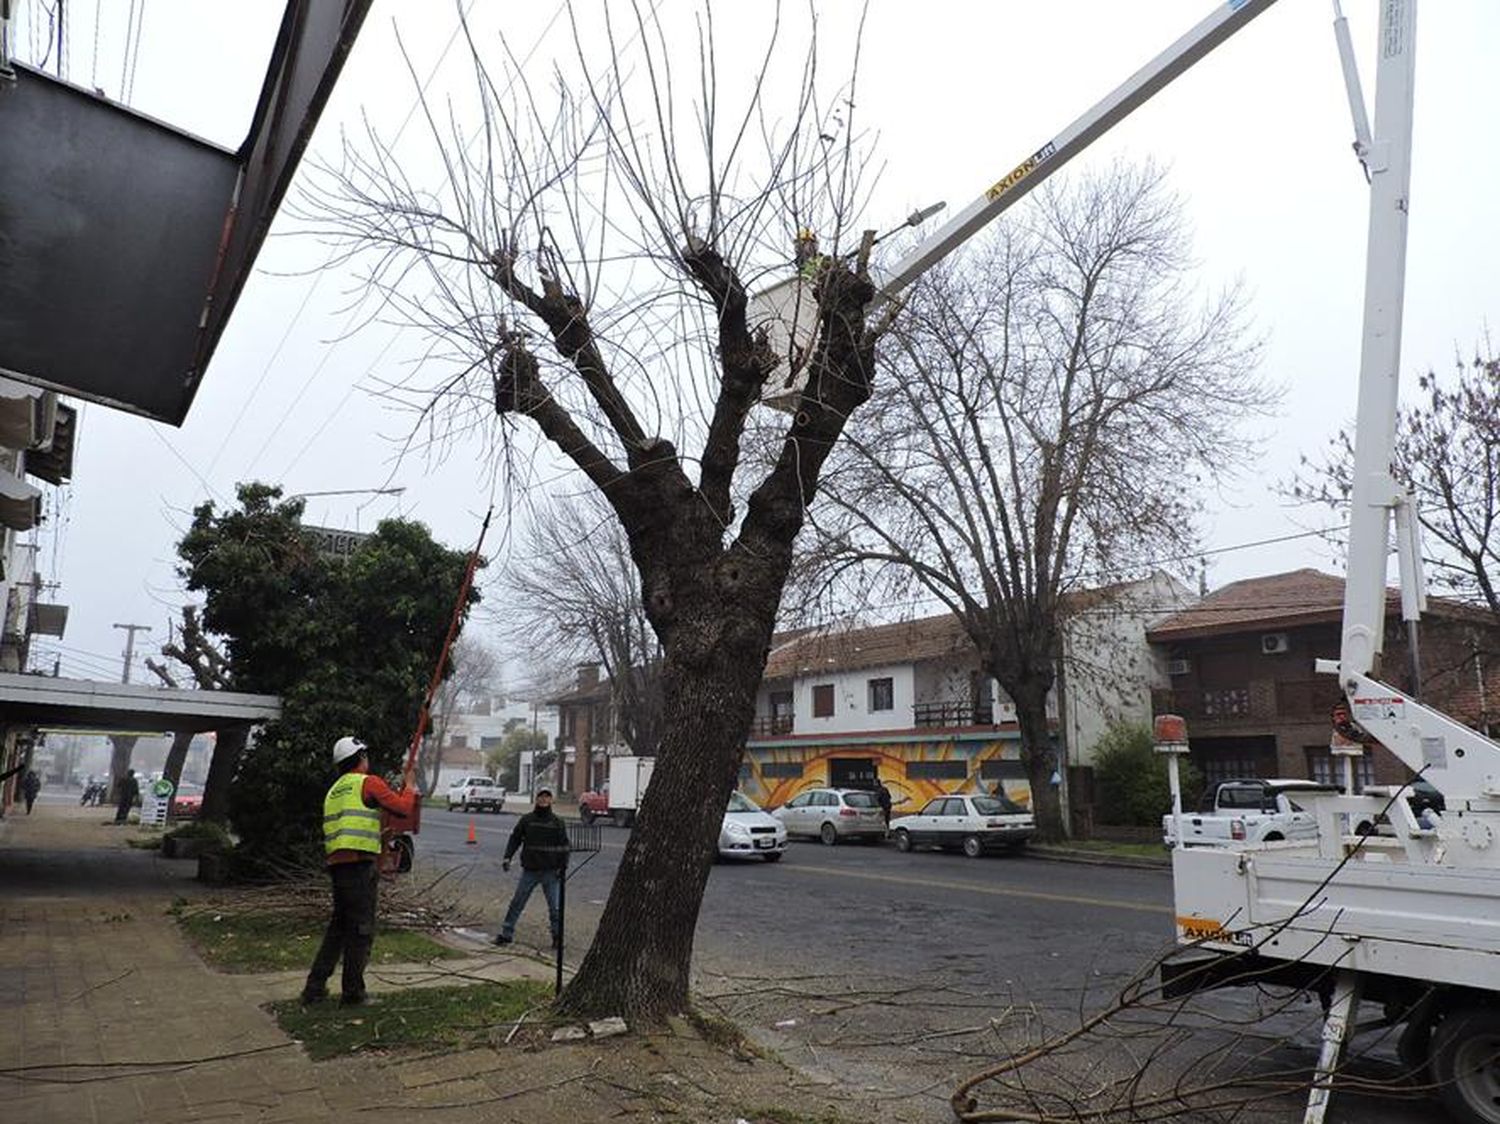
(378, 794)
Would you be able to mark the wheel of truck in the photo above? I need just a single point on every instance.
(1465, 1060)
(828, 834)
(404, 849)
(903, 840)
(973, 846)
(623, 817)
(586, 815)
(464, 807)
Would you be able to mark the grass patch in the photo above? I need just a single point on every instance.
(1129, 850)
(272, 943)
(454, 1018)
(148, 843)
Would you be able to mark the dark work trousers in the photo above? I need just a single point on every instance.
(122, 811)
(351, 930)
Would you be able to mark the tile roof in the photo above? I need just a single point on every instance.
(1299, 597)
(849, 649)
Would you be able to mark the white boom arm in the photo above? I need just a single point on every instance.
(1223, 22)
(787, 309)
(1463, 764)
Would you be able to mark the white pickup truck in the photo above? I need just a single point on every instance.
(1248, 811)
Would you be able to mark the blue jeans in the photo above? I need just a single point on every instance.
(530, 880)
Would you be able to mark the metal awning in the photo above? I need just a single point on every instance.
(18, 413)
(40, 700)
(124, 243)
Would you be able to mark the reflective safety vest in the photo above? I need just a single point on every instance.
(347, 824)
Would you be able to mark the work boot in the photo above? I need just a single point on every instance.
(307, 998)
(501, 938)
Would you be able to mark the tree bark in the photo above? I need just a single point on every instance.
(172, 768)
(652, 913)
(228, 748)
(1039, 756)
(121, 747)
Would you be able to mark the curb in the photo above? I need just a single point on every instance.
(1090, 858)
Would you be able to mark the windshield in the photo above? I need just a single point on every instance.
(738, 802)
(997, 806)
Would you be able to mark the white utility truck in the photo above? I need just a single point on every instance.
(1411, 919)
(1249, 811)
(628, 777)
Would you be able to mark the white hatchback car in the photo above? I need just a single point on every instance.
(749, 833)
(974, 823)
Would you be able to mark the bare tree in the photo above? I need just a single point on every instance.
(190, 648)
(574, 582)
(586, 266)
(1448, 452)
(1056, 396)
(475, 670)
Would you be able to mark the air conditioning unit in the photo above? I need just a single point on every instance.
(1178, 667)
(1273, 642)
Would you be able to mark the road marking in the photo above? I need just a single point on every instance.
(972, 887)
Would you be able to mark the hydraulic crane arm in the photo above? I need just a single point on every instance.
(1218, 26)
(787, 309)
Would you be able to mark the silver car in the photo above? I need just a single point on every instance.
(748, 833)
(832, 814)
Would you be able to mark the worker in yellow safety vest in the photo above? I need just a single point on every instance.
(351, 838)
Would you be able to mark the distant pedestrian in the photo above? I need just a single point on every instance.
(542, 838)
(883, 797)
(31, 784)
(130, 792)
(351, 839)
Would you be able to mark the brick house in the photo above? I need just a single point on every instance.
(586, 733)
(1240, 664)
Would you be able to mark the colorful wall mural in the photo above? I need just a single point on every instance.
(914, 769)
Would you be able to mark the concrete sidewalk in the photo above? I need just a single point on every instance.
(108, 1015)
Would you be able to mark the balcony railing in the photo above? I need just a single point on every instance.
(774, 726)
(1266, 700)
(952, 714)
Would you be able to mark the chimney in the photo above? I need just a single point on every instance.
(588, 676)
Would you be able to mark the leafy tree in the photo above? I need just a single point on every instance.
(504, 761)
(348, 644)
(1130, 778)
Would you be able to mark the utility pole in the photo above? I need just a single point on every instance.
(130, 630)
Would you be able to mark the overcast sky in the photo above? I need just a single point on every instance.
(1256, 137)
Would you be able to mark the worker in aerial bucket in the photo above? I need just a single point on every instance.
(351, 838)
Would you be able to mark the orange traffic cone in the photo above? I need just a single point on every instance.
(473, 839)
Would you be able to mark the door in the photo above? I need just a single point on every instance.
(851, 772)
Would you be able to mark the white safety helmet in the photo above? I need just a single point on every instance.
(345, 748)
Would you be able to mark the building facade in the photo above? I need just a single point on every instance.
(1240, 665)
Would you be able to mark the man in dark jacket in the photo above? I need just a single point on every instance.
(542, 838)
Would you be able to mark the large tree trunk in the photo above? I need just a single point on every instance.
(121, 747)
(229, 746)
(638, 963)
(172, 768)
(1040, 758)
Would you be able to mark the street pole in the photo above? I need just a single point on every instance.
(130, 630)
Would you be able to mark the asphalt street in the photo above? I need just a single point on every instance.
(903, 973)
